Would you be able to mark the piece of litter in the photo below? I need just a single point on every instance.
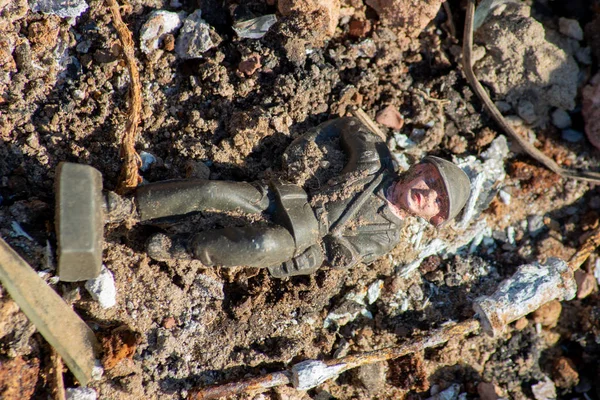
(18, 231)
(103, 288)
(255, 28)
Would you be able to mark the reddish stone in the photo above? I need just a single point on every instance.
(390, 117)
(250, 64)
(548, 314)
(359, 28)
(564, 373)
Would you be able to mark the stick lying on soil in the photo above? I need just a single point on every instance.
(129, 177)
(530, 149)
(311, 373)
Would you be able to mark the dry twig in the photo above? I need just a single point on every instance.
(129, 177)
(57, 369)
(530, 149)
(368, 122)
(297, 375)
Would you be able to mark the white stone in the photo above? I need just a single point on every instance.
(158, 24)
(103, 288)
(194, 37)
(81, 393)
(449, 394)
(561, 119)
(374, 291)
(544, 390)
(309, 374)
(570, 28)
(62, 8)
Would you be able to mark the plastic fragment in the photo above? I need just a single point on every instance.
(255, 28)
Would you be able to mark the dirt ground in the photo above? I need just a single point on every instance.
(179, 325)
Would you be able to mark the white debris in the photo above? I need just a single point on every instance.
(103, 288)
(194, 37)
(544, 390)
(97, 371)
(62, 8)
(81, 393)
(158, 24)
(449, 394)
(374, 291)
(309, 374)
(18, 231)
(255, 28)
(505, 197)
(570, 27)
(597, 270)
(403, 141)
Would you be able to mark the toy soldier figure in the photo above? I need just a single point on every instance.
(346, 229)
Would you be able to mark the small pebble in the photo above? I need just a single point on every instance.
(103, 288)
(584, 55)
(571, 28)
(548, 314)
(561, 119)
(487, 391)
(586, 284)
(168, 322)
(572, 136)
(564, 373)
(157, 26)
(544, 390)
(535, 224)
(521, 324)
(526, 110)
(250, 64)
(194, 37)
(390, 117)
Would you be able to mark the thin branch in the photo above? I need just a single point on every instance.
(530, 149)
(129, 177)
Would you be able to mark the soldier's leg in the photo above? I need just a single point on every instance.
(180, 197)
(252, 246)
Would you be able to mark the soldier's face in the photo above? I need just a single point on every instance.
(421, 192)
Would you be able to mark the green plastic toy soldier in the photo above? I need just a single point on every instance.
(350, 228)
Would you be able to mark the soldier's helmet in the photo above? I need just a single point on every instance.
(456, 183)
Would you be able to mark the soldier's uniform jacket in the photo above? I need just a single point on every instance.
(361, 227)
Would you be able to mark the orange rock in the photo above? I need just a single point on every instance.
(119, 344)
(548, 314)
(168, 322)
(331, 8)
(359, 28)
(521, 324)
(410, 16)
(564, 373)
(250, 64)
(390, 117)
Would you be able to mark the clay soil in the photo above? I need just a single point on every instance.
(178, 325)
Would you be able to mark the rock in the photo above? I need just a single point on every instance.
(535, 224)
(526, 111)
(195, 37)
(591, 110)
(62, 8)
(250, 64)
(80, 393)
(521, 66)
(18, 378)
(103, 288)
(584, 55)
(372, 376)
(169, 322)
(359, 28)
(450, 393)
(570, 28)
(544, 390)
(330, 8)
(521, 324)
(390, 117)
(548, 314)
(410, 16)
(586, 283)
(564, 373)
(196, 169)
(487, 391)
(159, 24)
(561, 119)
(571, 135)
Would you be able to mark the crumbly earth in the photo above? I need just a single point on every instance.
(178, 325)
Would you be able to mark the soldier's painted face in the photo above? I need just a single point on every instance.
(421, 192)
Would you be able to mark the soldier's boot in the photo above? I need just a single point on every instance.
(303, 264)
(163, 247)
(119, 208)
